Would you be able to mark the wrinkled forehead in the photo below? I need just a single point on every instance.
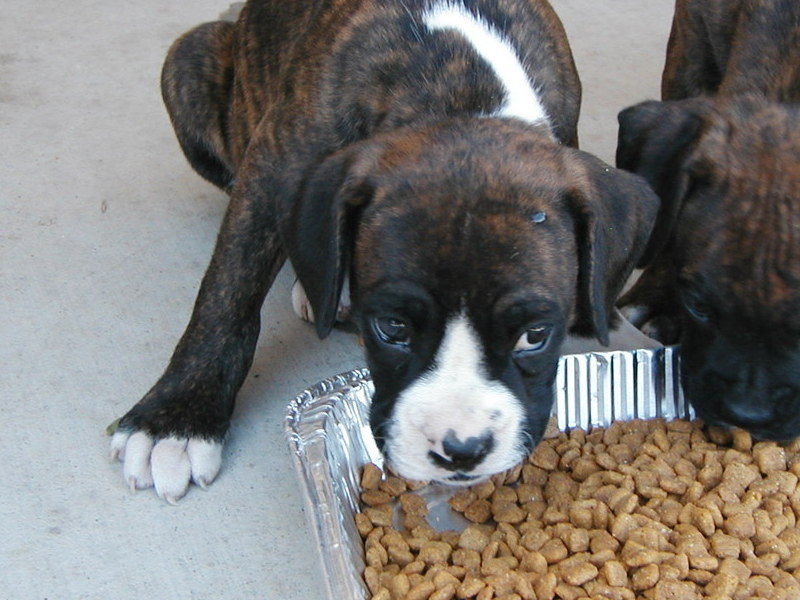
(755, 137)
(747, 266)
(468, 249)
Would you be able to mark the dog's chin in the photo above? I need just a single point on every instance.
(456, 479)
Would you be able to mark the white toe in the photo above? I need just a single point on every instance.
(118, 442)
(300, 304)
(136, 468)
(171, 468)
(206, 459)
(635, 314)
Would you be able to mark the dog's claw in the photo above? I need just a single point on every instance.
(172, 500)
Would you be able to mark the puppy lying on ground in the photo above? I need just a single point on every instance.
(423, 154)
(723, 153)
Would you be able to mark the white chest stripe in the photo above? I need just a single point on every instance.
(522, 101)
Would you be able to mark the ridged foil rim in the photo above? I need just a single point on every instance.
(327, 427)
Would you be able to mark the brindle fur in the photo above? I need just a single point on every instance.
(722, 152)
(340, 129)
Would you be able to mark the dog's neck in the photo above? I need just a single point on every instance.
(522, 100)
(440, 73)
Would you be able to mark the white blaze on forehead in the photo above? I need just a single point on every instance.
(522, 101)
(455, 395)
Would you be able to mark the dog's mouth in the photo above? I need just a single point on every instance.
(460, 480)
(463, 478)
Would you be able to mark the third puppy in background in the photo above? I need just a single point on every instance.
(723, 153)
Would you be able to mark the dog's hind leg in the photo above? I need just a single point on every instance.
(196, 84)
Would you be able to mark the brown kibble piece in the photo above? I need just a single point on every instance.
(579, 574)
(380, 516)
(769, 457)
(470, 587)
(742, 440)
(479, 511)
(509, 513)
(394, 486)
(375, 497)
(675, 590)
(473, 538)
(413, 504)
(740, 525)
(435, 552)
(421, 591)
(645, 577)
(615, 573)
(445, 593)
(461, 500)
(382, 594)
(371, 476)
(545, 457)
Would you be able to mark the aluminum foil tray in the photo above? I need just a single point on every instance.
(327, 427)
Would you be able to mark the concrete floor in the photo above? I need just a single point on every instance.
(104, 234)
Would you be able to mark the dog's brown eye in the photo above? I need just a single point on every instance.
(392, 330)
(533, 340)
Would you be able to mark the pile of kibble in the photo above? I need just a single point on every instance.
(641, 510)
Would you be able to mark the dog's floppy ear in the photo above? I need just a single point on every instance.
(655, 141)
(614, 212)
(320, 229)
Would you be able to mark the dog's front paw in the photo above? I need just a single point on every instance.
(173, 437)
(652, 305)
(169, 464)
(665, 328)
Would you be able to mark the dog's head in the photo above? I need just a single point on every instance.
(472, 248)
(728, 174)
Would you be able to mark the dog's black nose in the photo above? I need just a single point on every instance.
(463, 455)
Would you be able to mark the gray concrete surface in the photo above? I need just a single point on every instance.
(104, 234)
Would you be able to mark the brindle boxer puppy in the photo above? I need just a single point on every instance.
(723, 153)
(424, 152)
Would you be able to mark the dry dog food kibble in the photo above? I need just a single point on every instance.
(641, 510)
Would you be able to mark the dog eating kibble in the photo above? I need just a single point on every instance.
(422, 155)
(723, 265)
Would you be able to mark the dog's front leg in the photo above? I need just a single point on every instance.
(174, 434)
